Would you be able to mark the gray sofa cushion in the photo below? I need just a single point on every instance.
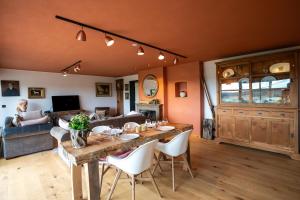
(14, 132)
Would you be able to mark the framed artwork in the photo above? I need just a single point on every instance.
(126, 95)
(126, 87)
(103, 89)
(10, 88)
(36, 93)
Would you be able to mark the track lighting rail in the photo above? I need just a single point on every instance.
(117, 35)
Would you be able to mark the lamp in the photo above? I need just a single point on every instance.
(109, 41)
(81, 36)
(77, 68)
(140, 51)
(161, 56)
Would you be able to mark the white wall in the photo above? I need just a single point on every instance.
(127, 101)
(55, 84)
(210, 75)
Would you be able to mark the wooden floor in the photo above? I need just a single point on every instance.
(221, 172)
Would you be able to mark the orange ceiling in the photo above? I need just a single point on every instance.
(32, 39)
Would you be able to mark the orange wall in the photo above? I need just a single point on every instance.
(176, 109)
(184, 110)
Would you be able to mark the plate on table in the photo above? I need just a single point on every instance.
(115, 131)
(101, 130)
(129, 136)
(165, 128)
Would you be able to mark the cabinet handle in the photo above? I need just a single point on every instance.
(241, 112)
(259, 113)
(292, 135)
(282, 114)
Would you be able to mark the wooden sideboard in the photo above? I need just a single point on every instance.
(257, 105)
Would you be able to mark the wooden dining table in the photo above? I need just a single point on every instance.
(100, 146)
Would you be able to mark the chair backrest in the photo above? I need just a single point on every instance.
(178, 145)
(140, 159)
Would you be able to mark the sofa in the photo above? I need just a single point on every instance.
(62, 135)
(25, 140)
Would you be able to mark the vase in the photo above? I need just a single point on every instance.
(79, 138)
(182, 94)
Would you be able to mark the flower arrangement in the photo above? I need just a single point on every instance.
(79, 122)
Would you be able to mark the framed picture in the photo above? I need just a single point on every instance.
(126, 95)
(126, 87)
(103, 89)
(10, 88)
(36, 93)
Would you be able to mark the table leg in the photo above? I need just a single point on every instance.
(92, 176)
(76, 182)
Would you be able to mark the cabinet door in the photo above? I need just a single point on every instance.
(281, 132)
(242, 127)
(259, 130)
(226, 126)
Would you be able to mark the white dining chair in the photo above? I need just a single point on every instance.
(174, 148)
(137, 162)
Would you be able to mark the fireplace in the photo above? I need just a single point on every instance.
(151, 111)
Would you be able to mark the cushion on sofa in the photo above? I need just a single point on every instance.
(63, 124)
(41, 120)
(29, 115)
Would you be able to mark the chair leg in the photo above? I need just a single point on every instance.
(173, 174)
(133, 187)
(154, 184)
(101, 177)
(114, 184)
(157, 159)
(187, 164)
(157, 163)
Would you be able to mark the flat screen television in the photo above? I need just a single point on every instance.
(65, 103)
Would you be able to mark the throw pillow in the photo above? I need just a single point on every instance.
(100, 113)
(29, 115)
(63, 124)
(16, 120)
(42, 120)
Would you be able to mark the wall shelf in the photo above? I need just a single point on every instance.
(181, 87)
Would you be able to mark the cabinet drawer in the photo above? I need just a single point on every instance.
(225, 111)
(241, 112)
(283, 114)
(260, 113)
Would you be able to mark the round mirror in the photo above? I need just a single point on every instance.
(150, 85)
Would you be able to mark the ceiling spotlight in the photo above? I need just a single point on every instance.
(161, 56)
(77, 68)
(109, 41)
(65, 73)
(140, 51)
(176, 60)
(81, 35)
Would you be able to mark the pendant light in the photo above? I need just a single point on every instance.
(176, 60)
(65, 73)
(81, 36)
(77, 68)
(140, 51)
(161, 56)
(109, 41)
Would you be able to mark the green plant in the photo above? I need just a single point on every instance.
(79, 122)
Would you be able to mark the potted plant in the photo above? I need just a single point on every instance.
(79, 129)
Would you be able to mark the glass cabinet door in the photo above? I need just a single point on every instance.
(235, 91)
(271, 90)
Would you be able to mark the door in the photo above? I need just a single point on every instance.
(259, 130)
(120, 99)
(133, 92)
(226, 128)
(281, 132)
(242, 128)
